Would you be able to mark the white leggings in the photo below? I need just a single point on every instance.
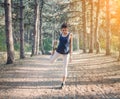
(65, 61)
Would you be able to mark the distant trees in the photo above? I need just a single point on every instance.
(8, 30)
(94, 24)
(31, 25)
(34, 25)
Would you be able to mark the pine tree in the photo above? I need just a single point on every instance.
(84, 25)
(22, 55)
(8, 30)
(97, 45)
(35, 32)
(108, 43)
(91, 29)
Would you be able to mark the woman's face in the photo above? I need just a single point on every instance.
(64, 30)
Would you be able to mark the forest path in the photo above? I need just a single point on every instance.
(90, 76)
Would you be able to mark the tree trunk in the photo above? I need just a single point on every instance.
(108, 28)
(91, 30)
(35, 32)
(84, 25)
(38, 40)
(119, 48)
(38, 30)
(22, 55)
(97, 45)
(8, 30)
(41, 36)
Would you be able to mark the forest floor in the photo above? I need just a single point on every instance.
(90, 76)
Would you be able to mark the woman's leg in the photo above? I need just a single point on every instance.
(54, 57)
(65, 66)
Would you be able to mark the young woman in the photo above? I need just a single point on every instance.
(64, 49)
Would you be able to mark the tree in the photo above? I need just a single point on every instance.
(108, 28)
(118, 28)
(22, 55)
(97, 45)
(8, 30)
(35, 32)
(40, 25)
(38, 30)
(91, 29)
(84, 25)
(119, 48)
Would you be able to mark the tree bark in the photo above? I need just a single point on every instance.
(8, 30)
(91, 30)
(38, 30)
(97, 45)
(35, 32)
(22, 55)
(84, 25)
(40, 26)
(119, 48)
(108, 28)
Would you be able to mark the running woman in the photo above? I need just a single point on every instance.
(64, 49)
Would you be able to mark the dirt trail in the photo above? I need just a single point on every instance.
(90, 76)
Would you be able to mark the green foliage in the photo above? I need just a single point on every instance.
(115, 43)
(28, 47)
(102, 43)
(47, 44)
(17, 46)
(74, 44)
(80, 44)
(2, 41)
